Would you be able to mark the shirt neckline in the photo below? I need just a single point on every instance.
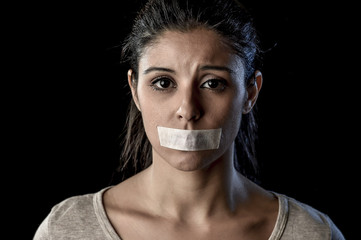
(102, 217)
(110, 232)
(282, 217)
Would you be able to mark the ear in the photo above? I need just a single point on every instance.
(252, 92)
(133, 88)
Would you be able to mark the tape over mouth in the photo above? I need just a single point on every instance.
(189, 140)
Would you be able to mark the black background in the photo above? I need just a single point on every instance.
(68, 105)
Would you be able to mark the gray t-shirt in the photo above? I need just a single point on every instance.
(84, 217)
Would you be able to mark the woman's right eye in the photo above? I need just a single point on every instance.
(162, 83)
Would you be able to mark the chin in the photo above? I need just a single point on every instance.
(188, 160)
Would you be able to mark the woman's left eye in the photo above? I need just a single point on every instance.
(214, 84)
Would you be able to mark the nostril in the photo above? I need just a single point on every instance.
(190, 108)
(188, 114)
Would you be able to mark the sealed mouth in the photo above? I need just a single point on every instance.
(189, 140)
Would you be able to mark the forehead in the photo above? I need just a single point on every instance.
(195, 47)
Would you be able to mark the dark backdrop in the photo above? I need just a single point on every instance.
(71, 103)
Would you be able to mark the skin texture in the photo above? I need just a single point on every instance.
(185, 104)
(191, 80)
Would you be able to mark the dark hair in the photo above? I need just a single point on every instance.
(231, 21)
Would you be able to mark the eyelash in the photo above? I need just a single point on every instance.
(158, 79)
(219, 81)
(171, 82)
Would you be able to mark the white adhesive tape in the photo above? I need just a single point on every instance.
(189, 140)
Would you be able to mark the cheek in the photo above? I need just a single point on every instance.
(153, 114)
(227, 109)
(228, 114)
(231, 123)
(153, 111)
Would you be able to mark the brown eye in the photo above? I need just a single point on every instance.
(214, 84)
(162, 83)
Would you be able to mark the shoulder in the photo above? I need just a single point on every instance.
(76, 215)
(128, 194)
(307, 222)
(71, 207)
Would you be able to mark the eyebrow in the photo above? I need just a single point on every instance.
(158, 69)
(203, 68)
(217, 68)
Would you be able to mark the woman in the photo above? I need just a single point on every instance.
(195, 78)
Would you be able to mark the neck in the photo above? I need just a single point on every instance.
(196, 195)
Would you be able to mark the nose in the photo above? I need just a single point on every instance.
(190, 106)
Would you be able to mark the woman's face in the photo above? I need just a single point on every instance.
(190, 80)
